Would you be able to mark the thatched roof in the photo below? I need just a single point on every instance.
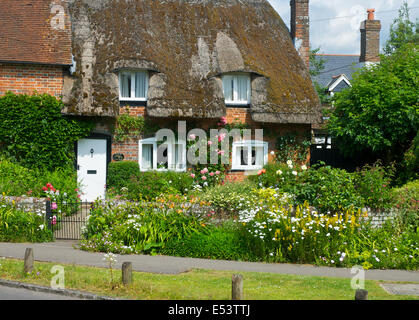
(187, 45)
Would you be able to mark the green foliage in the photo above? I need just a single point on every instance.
(402, 31)
(17, 225)
(229, 198)
(223, 243)
(292, 146)
(325, 188)
(16, 180)
(406, 202)
(140, 227)
(132, 127)
(125, 180)
(380, 112)
(35, 134)
(408, 166)
(373, 185)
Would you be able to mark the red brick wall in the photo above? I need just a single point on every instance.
(130, 148)
(27, 78)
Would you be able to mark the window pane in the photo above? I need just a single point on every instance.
(125, 85)
(244, 156)
(147, 157)
(242, 82)
(228, 85)
(162, 157)
(258, 156)
(140, 84)
(179, 156)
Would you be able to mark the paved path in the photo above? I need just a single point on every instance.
(64, 252)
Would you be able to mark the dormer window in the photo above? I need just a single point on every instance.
(236, 88)
(133, 85)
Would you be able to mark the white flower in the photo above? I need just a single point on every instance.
(279, 172)
(327, 234)
(272, 153)
(378, 260)
(294, 173)
(289, 162)
(332, 261)
(41, 227)
(304, 168)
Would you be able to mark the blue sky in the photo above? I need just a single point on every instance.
(341, 34)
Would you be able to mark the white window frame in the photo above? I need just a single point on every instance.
(171, 166)
(133, 73)
(249, 144)
(236, 100)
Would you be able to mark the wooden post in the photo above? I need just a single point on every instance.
(361, 294)
(237, 287)
(127, 273)
(28, 264)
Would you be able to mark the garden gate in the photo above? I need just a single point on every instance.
(67, 219)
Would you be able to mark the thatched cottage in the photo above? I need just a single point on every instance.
(166, 61)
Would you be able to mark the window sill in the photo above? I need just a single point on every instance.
(237, 104)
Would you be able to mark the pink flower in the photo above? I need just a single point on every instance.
(217, 172)
(204, 171)
(192, 137)
(211, 174)
(221, 152)
(193, 175)
(209, 142)
(54, 220)
(223, 120)
(54, 206)
(204, 178)
(221, 137)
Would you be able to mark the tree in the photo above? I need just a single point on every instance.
(380, 112)
(402, 31)
(316, 68)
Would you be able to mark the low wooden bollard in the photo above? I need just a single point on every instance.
(237, 287)
(361, 294)
(28, 263)
(126, 273)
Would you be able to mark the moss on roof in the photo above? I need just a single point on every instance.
(187, 44)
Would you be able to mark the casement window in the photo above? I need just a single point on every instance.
(249, 155)
(133, 85)
(236, 89)
(171, 157)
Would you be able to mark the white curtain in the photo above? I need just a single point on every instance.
(259, 159)
(242, 88)
(140, 84)
(147, 156)
(228, 85)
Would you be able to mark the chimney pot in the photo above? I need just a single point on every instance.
(371, 14)
(300, 28)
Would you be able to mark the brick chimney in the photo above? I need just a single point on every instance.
(370, 38)
(300, 28)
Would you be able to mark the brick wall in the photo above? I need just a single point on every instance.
(27, 78)
(130, 148)
(300, 28)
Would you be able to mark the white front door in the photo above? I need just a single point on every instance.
(91, 168)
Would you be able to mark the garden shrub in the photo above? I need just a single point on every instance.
(141, 227)
(223, 243)
(228, 198)
(406, 203)
(34, 133)
(131, 184)
(19, 226)
(326, 188)
(16, 180)
(373, 185)
(121, 171)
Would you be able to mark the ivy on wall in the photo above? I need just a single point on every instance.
(34, 133)
(294, 147)
(132, 127)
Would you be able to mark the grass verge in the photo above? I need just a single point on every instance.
(194, 285)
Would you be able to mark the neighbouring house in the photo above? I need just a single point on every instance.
(165, 61)
(338, 72)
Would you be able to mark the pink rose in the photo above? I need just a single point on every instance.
(221, 152)
(192, 137)
(204, 178)
(193, 175)
(221, 137)
(54, 206)
(211, 174)
(217, 172)
(209, 143)
(204, 171)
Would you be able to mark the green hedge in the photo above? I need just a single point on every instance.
(34, 133)
(125, 179)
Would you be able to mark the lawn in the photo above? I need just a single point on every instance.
(196, 284)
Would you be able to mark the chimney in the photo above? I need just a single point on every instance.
(300, 28)
(370, 38)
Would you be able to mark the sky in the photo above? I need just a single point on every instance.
(340, 34)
